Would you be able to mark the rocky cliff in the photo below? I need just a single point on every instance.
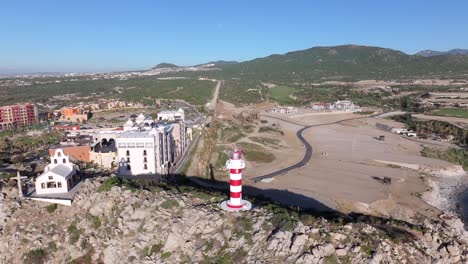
(121, 224)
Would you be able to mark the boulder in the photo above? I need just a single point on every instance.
(324, 250)
(299, 241)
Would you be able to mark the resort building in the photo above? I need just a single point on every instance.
(146, 151)
(75, 115)
(345, 106)
(284, 110)
(59, 176)
(14, 116)
(178, 115)
(321, 106)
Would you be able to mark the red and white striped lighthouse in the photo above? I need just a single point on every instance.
(235, 165)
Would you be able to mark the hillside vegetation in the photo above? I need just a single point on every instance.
(135, 89)
(349, 62)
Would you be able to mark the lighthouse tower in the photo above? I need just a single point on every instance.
(235, 165)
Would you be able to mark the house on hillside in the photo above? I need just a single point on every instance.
(59, 176)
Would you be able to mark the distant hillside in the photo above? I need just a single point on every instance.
(165, 65)
(348, 62)
(222, 62)
(430, 53)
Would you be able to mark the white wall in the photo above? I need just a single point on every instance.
(44, 178)
(136, 156)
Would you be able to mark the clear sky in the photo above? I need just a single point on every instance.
(83, 35)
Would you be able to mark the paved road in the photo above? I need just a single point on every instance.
(187, 155)
(308, 148)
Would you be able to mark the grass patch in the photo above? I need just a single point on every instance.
(333, 259)
(109, 183)
(256, 153)
(270, 129)
(280, 94)
(451, 112)
(266, 141)
(95, 221)
(85, 259)
(154, 249)
(165, 255)
(222, 158)
(231, 133)
(169, 204)
(51, 208)
(74, 233)
(221, 258)
(35, 256)
(244, 228)
(366, 250)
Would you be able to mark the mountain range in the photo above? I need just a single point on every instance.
(430, 53)
(344, 63)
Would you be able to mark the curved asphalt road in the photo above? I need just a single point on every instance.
(308, 151)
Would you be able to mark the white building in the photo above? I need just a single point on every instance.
(139, 123)
(58, 177)
(399, 130)
(146, 151)
(321, 106)
(346, 106)
(284, 109)
(178, 115)
(143, 147)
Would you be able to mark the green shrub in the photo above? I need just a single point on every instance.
(154, 249)
(109, 183)
(74, 233)
(96, 221)
(165, 255)
(169, 204)
(457, 156)
(35, 256)
(330, 259)
(366, 250)
(51, 208)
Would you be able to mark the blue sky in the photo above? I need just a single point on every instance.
(104, 35)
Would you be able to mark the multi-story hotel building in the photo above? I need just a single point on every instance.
(147, 146)
(13, 116)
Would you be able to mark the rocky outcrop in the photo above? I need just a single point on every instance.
(139, 226)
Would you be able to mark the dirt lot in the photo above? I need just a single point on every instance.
(345, 178)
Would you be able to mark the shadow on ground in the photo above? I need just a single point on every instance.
(280, 202)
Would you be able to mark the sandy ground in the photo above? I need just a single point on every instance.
(344, 178)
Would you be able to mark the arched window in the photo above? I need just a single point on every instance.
(55, 161)
(144, 152)
(59, 154)
(128, 167)
(64, 161)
